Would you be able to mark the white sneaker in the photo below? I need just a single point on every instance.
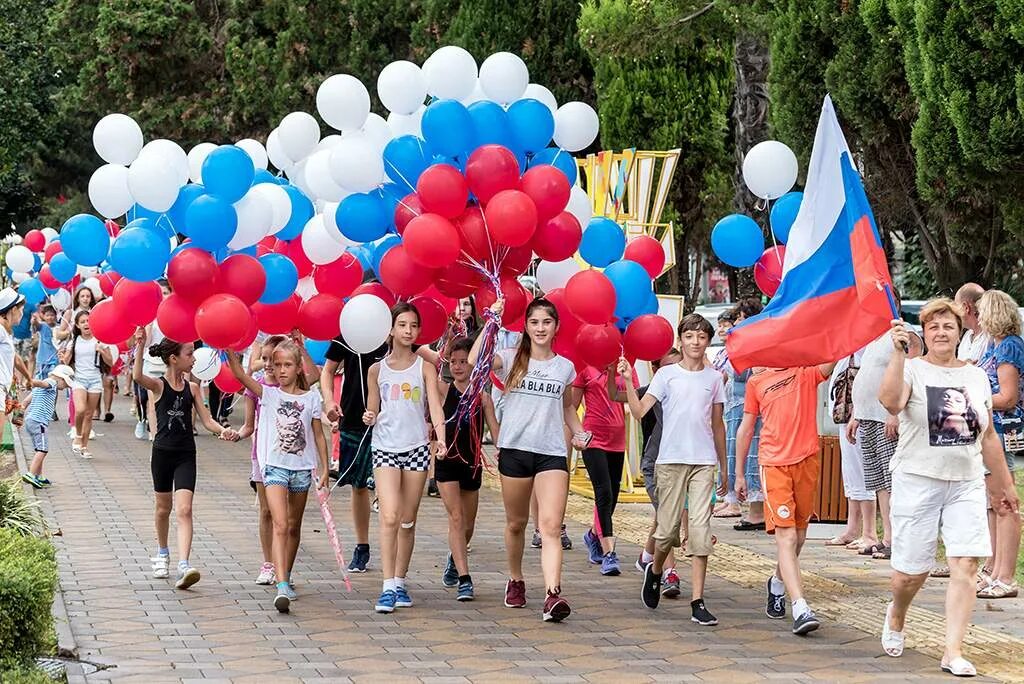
(186, 577)
(161, 565)
(140, 430)
(266, 575)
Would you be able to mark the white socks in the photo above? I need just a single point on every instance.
(800, 607)
(389, 584)
(778, 587)
(399, 583)
(646, 558)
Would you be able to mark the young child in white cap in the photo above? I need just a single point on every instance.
(37, 417)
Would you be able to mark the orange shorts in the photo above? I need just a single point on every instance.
(789, 493)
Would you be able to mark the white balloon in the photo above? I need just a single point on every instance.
(329, 211)
(306, 288)
(255, 150)
(117, 139)
(153, 182)
(450, 73)
(320, 180)
(19, 259)
(20, 277)
(196, 156)
(319, 246)
(297, 176)
(555, 274)
(108, 190)
(576, 126)
(343, 102)
(61, 299)
(377, 130)
(255, 214)
(298, 134)
(580, 205)
(94, 286)
(407, 124)
(207, 363)
(171, 153)
(276, 153)
(50, 234)
(365, 323)
(770, 169)
(536, 91)
(504, 77)
(401, 87)
(356, 164)
(280, 204)
(478, 95)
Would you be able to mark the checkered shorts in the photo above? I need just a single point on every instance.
(416, 460)
(877, 451)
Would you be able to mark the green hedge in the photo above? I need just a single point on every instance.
(28, 580)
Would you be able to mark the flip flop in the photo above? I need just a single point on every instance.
(837, 541)
(892, 641)
(959, 667)
(747, 526)
(871, 550)
(883, 553)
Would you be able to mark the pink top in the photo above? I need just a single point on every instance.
(604, 418)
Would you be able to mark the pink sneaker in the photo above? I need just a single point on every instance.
(266, 576)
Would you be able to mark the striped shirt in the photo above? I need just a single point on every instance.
(44, 400)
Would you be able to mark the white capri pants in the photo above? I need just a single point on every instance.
(853, 470)
(923, 508)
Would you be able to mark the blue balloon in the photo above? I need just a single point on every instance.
(448, 128)
(140, 254)
(282, 278)
(85, 240)
(532, 123)
(317, 350)
(651, 306)
(560, 159)
(603, 242)
(211, 222)
(263, 176)
(62, 269)
(33, 291)
(250, 251)
(783, 215)
(302, 211)
(632, 287)
(490, 124)
(405, 158)
(37, 263)
(176, 214)
(363, 254)
(181, 248)
(381, 247)
(737, 240)
(145, 224)
(363, 217)
(228, 173)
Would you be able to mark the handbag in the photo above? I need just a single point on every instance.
(842, 394)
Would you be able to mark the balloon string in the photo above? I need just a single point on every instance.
(402, 177)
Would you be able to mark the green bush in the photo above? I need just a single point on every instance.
(28, 579)
(18, 513)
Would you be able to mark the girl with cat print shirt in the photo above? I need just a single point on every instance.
(290, 445)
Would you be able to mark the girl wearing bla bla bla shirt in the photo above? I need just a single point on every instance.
(531, 449)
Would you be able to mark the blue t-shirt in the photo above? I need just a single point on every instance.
(46, 356)
(1010, 350)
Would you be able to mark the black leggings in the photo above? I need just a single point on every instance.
(173, 470)
(605, 471)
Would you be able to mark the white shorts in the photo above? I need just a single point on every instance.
(853, 469)
(92, 385)
(923, 508)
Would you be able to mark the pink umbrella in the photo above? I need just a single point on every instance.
(323, 497)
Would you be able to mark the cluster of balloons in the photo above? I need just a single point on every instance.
(769, 171)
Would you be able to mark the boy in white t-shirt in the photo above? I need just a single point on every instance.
(692, 398)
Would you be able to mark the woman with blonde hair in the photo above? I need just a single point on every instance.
(938, 482)
(1003, 362)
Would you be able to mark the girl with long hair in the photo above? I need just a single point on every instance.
(531, 449)
(88, 356)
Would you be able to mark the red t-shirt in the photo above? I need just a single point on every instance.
(604, 418)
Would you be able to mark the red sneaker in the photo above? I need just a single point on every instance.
(556, 608)
(515, 594)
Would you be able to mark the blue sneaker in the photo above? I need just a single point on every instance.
(610, 564)
(386, 602)
(593, 545)
(450, 577)
(465, 592)
(402, 598)
(43, 481)
(32, 480)
(360, 558)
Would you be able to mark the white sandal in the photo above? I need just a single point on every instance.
(959, 667)
(892, 641)
(85, 454)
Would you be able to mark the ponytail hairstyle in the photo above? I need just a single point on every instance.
(165, 349)
(289, 347)
(521, 363)
(399, 309)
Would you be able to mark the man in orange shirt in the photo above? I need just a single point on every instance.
(787, 401)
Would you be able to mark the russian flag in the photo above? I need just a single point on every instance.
(835, 292)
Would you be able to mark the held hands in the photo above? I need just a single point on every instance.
(900, 336)
(741, 488)
(581, 440)
(229, 435)
(369, 418)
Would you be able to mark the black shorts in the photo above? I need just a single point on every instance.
(454, 469)
(173, 470)
(516, 463)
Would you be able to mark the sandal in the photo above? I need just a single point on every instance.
(959, 667)
(872, 550)
(940, 571)
(839, 541)
(892, 641)
(884, 552)
(728, 512)
(997, 590)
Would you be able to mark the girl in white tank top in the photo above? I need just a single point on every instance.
(399, 389)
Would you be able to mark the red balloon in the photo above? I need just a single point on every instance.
(458, 280)
(548, 188)
(599, 345)
(226, 381)
(447, 303)
(591, 297)
(280, 318)
(339, 277)
(220, 320)
(52, 249)
(568, 324)
(377, 290)
(516, 299)
(516, 261)
(648, 337)
(473, 235)
(511, 217)
(176, 317)
(491, 169)
(108, 281)
(246, 340)
(431, 241)
(108, 325)
(442, 190)
(558, 238)
(113, 227)
(402, 275)
(319, 317)
(35, 240)
(409, 207)
(47, 279)
(138, 301)
(647, 252)
(768, 269)
(193, 274)
(298, 256)
(243, 276)
(433, 319)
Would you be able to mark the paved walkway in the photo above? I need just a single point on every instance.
(225, 628)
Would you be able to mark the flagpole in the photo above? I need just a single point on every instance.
(895, 311)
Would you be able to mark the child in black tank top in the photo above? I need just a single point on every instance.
(173, 463)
